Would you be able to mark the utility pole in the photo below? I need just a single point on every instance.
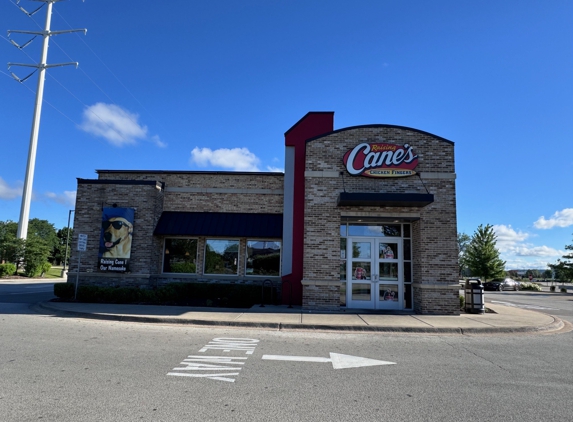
(41, 68)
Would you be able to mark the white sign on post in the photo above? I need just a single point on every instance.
(82, 246)
(82, 242)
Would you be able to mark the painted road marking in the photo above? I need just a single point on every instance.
(523, 306)
(231, 344)
(338, 360)
(196, 366)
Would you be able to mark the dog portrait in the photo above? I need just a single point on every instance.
(117, 238)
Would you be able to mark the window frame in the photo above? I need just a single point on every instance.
(238, 256)
(195, 261)
(247, 240)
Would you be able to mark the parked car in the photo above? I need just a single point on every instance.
(500, 284)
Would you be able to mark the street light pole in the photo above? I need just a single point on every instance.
(67, 241)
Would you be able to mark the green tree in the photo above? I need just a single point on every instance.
(8, 230)
(59, 253)
(36, 253)
(13, 250)
(564, 267)
(463, 243)
(482, 257)
(26, 252)
(46, 231)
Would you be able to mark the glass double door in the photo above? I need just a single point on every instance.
(374, 273)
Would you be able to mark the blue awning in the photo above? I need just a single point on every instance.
(221, 224)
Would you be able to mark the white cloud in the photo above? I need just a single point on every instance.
(529, 250)
(507, 237)
(67, 198)
(9, 192)
(275, 169)
(562, 218)
(157, 141)
(236, 159)
(115, 124)
(515, 263)
(520, 255)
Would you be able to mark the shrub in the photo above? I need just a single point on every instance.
(462, 302)
(64, 290)
(183, 294)
(7, 269)
(530, 286)
(46, 266)
(552, 288)
(563, 290)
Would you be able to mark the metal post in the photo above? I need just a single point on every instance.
(78, 274)
(22, 232)
(27, 193)
(67, 241)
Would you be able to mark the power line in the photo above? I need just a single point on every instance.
(109, 70)
(73, 95)
(87, 75)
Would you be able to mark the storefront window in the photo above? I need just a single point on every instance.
(389, 292)
(407, 249)
(263, 257)
(371, 230)
(388, 251)
(221, 256)
(362, 250)
(361, 271)
(180, 256)
(362, 291)
(343, 248)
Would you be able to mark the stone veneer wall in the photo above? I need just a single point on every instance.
(434, 234)
(182, 191)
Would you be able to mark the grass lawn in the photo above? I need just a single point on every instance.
(55, 272)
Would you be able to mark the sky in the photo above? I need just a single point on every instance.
(196, 85)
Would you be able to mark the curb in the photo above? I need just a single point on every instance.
(556, 325)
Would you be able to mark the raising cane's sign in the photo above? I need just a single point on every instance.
(381, 160)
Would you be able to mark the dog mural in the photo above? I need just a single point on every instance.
(116, 239)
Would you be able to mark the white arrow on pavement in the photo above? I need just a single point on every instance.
(338, 360)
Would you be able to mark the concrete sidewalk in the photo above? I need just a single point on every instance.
(503, 319)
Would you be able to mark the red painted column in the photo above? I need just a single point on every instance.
(313, 124)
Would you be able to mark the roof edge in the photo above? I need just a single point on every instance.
(381, 125)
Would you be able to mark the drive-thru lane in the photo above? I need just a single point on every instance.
(66, 368)
(71, 369)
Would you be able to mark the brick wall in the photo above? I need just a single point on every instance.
(180, 191)
(434, 235)
(214, 192)
(147, 200)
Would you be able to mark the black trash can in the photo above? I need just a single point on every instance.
(474, 297)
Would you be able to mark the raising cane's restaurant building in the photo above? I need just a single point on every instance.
(363, 217)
